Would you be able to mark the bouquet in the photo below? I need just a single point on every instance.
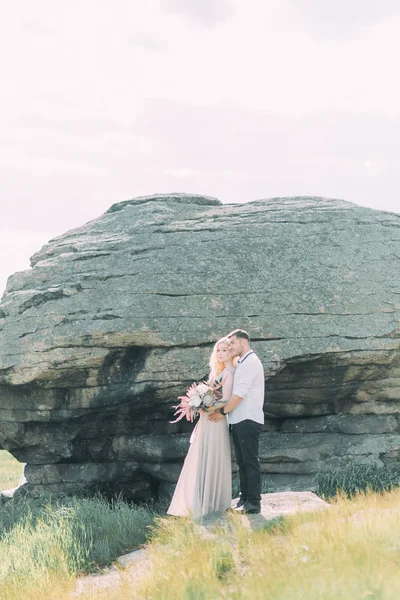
(202, 396)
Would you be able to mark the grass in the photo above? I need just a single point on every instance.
(350, 551)
(46, 543)
(10, 471)
(356, 478)
(49, 542)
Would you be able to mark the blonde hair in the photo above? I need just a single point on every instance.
(216, 366)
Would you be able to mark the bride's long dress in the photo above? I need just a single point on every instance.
(205, 482)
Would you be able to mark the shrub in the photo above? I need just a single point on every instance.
(357, 478)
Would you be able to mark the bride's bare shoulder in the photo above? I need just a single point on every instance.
(227, 375)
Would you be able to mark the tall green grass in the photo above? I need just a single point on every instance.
(357, 478)
(46, 541)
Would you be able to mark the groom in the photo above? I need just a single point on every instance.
(246, 416)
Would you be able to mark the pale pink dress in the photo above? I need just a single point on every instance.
(205, 482)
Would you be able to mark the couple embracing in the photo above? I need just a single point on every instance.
(205, 482)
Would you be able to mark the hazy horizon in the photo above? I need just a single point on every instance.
(241, 101)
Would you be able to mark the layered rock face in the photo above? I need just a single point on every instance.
(115, 319)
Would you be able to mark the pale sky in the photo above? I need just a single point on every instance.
(104, 101)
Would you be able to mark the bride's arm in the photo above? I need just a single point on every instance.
(227, 386)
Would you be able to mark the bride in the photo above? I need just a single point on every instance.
(205, 482)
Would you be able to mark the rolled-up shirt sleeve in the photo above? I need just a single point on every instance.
(243, 380)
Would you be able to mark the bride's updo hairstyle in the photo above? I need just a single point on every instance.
(216, 366)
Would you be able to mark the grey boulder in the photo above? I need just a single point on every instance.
(116, 318)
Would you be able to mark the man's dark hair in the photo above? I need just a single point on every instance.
(240, 333)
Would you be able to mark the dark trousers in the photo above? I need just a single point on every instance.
(246, 438)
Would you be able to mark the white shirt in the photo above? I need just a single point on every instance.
(248, 383)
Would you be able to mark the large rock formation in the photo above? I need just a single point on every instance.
(116, 318)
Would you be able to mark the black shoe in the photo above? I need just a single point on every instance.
(241, 502)
(250, 509)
